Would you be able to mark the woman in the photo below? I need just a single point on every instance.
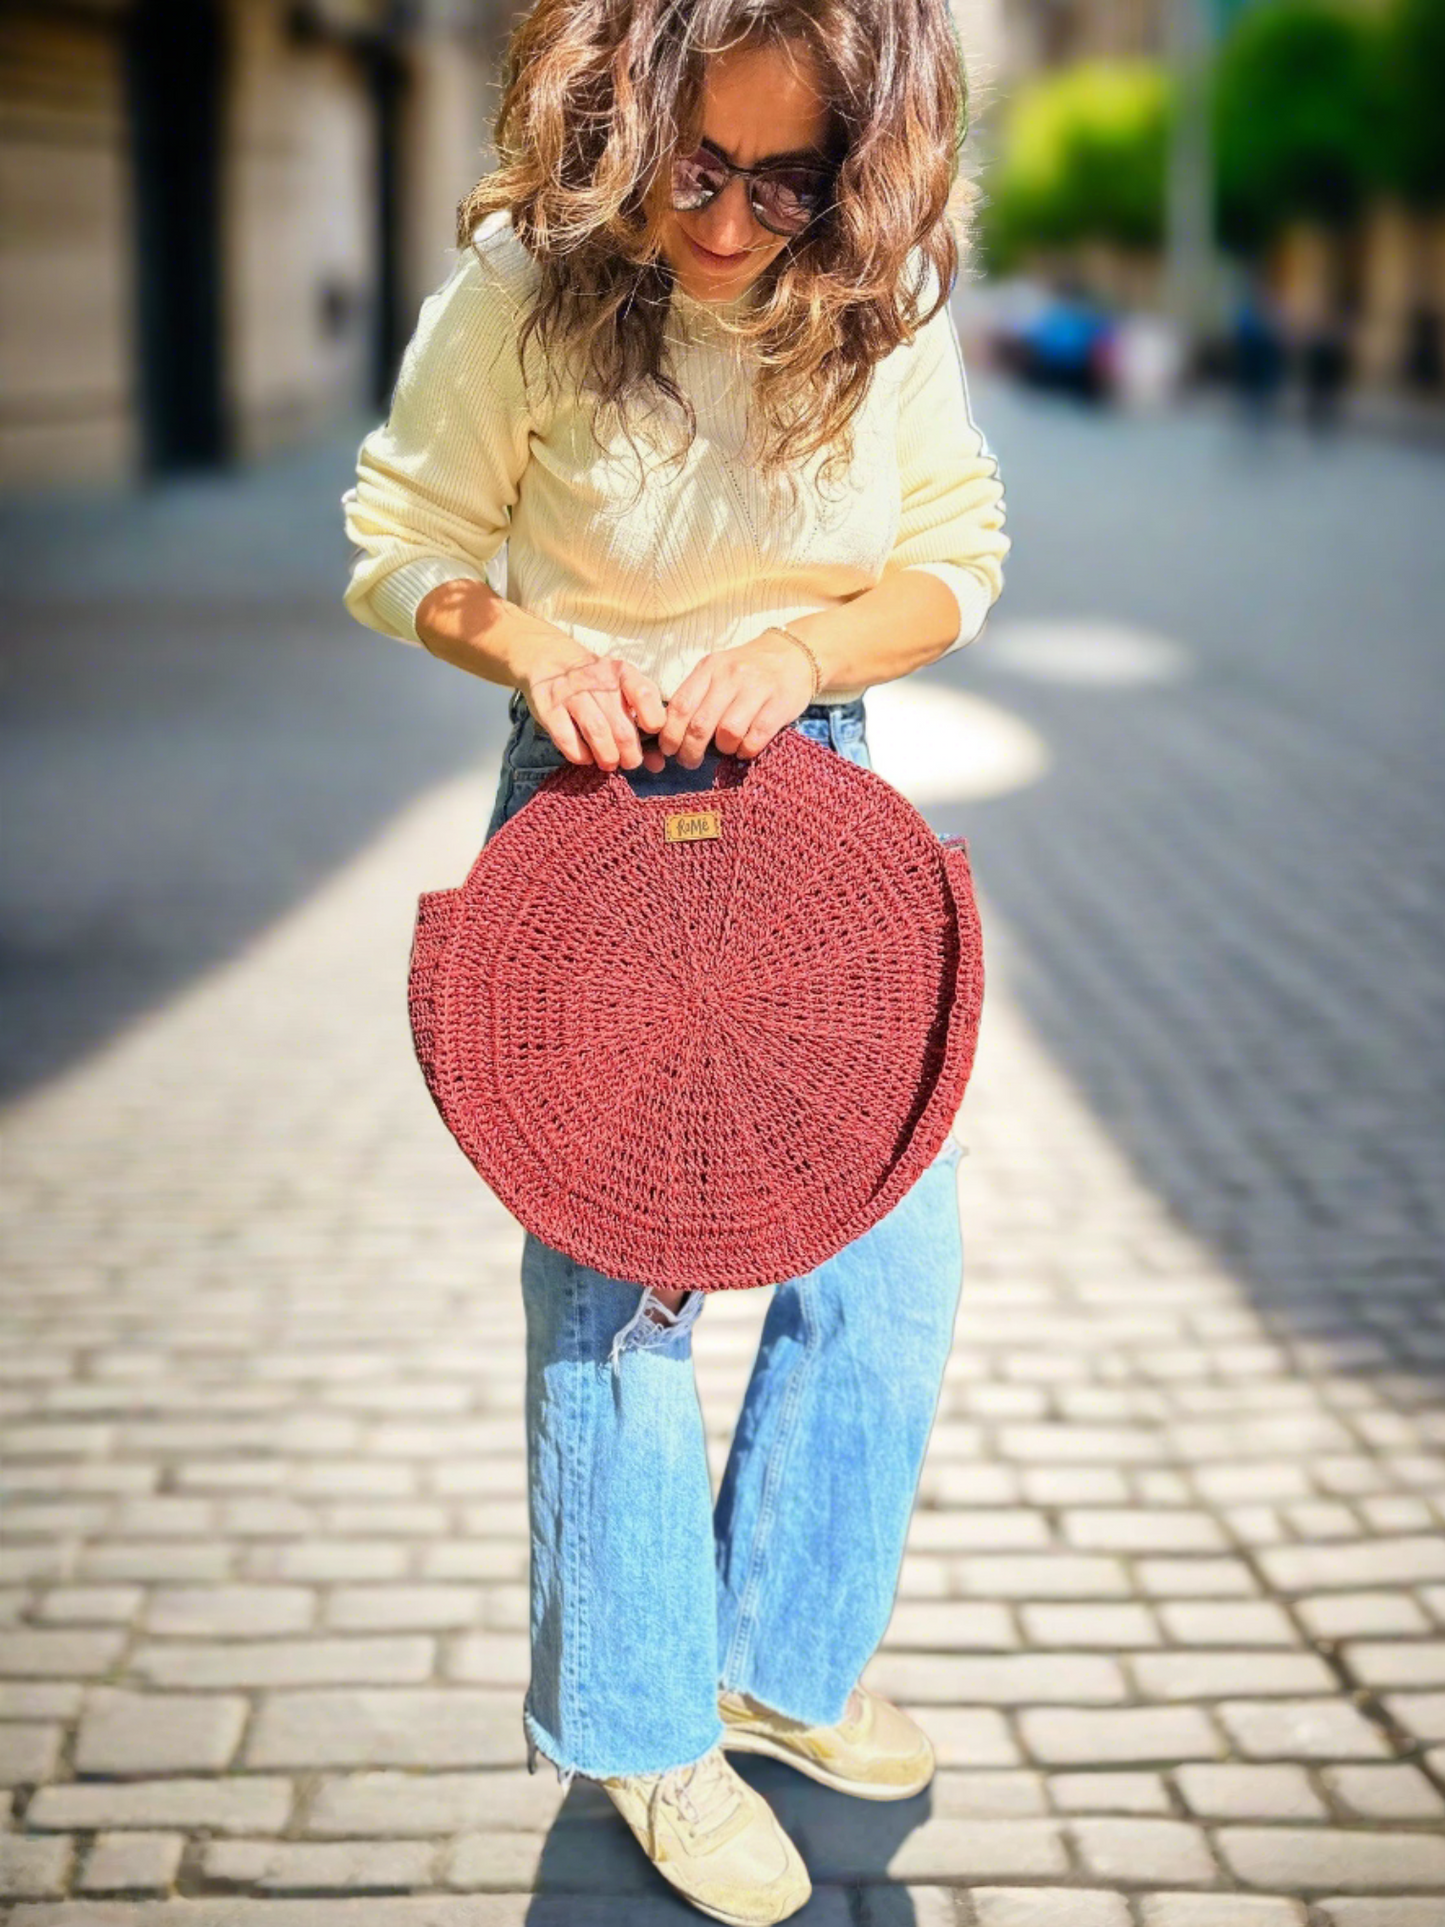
(690, 367)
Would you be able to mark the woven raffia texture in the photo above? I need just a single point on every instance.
(708, 1064)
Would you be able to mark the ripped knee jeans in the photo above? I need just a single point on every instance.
(781, 1585)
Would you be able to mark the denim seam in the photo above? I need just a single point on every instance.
(778, 1456)
(576, 1541)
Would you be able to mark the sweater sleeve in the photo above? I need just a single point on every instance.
(952, 517)
(436, 482)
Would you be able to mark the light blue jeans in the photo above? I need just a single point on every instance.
(646, 1597)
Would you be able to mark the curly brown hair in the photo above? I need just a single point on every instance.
(598, 95)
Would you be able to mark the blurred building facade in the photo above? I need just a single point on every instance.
(221, 216)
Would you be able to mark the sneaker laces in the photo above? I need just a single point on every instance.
(705, 1793)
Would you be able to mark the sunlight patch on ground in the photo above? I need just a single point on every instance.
(1088, 651)
(938, 744)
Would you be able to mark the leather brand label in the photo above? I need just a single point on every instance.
(689, 826)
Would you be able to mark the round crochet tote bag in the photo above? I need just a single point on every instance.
(703, 1041)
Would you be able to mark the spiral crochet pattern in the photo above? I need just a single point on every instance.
(703, 1041)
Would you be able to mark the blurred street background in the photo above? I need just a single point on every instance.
(1174, 1601)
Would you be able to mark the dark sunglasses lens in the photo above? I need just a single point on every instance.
(696, 178)
(788, 200)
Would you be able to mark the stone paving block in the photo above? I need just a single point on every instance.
(40, 1699)
(1395, 1792)
(1048, 1907)
(393, 1803)
(1009, 1679)
(1081, 1444)
(90, 1605)
(1195, 1578)
(1138, 1529)
(901, 1906)
(1238, 1623)
(1380, 1911)
(569, 1860)
(1318, 1729)
(31, 1655)
(943, 1626)
(1219, 1910)
(1109, 1793)
(1072, 1484)
(1421, 1714)
(1229, 1791)
(156, 1561)
(353, 1866)
(1205, 1674)
(132, 1863)
(1323, 1860)
(455, 1726)
(863, 1842)
(404, 1608)
(33, 1869)
(326, 1561)
(1400, 1662)
(217, 1611)
(828, 1909)
(966, 1736)
(1144, 1852)
(382, 1661)
(990, 1529)
(1369, 1564)
(1347, 1615)
(239, 1804)
(28, 1753)
(1109, 1627)
(488, 1659)
(982, 1796)
(136, 1735)
(1078, 1736)
(1040, 1575)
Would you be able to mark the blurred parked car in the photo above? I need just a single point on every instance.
(1060, 341)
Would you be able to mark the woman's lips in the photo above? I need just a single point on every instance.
(714, 260)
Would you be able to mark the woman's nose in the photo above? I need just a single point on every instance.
(731, 225)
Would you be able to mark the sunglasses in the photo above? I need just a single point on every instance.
(785, 198)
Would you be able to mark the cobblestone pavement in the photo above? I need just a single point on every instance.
(1174, 1602)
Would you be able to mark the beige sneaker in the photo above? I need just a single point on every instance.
(875, 1752)
(715, 1839)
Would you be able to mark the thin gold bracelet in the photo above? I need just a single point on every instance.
(792, 636)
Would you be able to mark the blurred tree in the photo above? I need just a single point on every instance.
(1298, 109)
(1410, 148)
(1083, 155)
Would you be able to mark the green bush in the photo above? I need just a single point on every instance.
(1083, 155)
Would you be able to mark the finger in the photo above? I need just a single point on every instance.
(682, 703)
(588, 714)
(644, 697)
(563, 732)
(736, 720)
(775, 714)
(699, 731)
(624, 730)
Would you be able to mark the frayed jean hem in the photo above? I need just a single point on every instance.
(540, 1743)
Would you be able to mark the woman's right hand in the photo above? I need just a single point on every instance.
(592, 707)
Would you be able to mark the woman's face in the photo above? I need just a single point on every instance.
(759, 104)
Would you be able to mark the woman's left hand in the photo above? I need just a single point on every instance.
(739, 697)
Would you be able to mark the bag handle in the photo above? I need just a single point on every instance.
(732, 772)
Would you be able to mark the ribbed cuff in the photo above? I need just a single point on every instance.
(397, 597)
(970, 591)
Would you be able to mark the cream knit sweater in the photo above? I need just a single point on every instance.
(473, 457)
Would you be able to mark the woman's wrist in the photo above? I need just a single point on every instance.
(466, 623)
(787, 629)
